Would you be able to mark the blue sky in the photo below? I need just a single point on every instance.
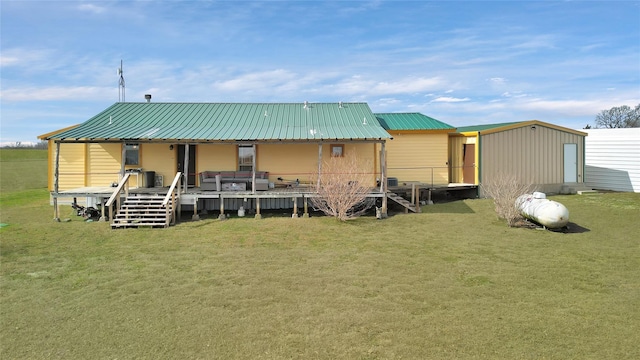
(463, 63)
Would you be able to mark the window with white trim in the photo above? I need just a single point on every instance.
(132, 154)
(246, 153)
(337, 150)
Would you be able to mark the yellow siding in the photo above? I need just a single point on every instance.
(300, 161)
(456, 157)
(367, 154)
(159, 158)
(71, 170)
(216, 157)
(418, 157)
(103, 164)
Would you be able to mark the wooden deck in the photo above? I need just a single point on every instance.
(293, 197)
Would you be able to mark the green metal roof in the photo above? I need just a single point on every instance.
(485, 127)
(229, 122)
(410, 121)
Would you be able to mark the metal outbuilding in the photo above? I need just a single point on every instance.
(612, 159)
(550, 157)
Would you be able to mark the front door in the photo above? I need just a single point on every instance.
(469, 164)
(191, 175)
(570, 163)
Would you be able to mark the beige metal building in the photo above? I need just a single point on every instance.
(549, 156)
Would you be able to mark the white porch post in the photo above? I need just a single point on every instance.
(253, 169)
(123, 160)
(185, 173)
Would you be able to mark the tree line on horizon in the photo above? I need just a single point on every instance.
(618, 117)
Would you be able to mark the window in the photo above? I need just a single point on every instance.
(246, 153)
(132, 154)
(337, 150)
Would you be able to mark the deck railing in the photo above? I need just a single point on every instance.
(115, 197)
(172, 199)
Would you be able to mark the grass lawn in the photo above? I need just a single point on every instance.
(451, 282)
(22, 169)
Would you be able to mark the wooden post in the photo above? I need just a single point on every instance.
(56, 182)
(383, 168)
(295, 208)
(56, 216)
(123, 160)
(319, 164)
(102, 217)
(221, 216)
(186, 167)
(383, 180)
(306, 208)
(417, 199)
(195, 215)
(258, 216)
(253, 170)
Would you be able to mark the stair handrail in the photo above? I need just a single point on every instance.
(173, 194)
(115, 196)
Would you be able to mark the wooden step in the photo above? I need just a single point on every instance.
(402, 201)
(141, 206)
(146, 211)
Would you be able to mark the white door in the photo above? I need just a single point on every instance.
(570, 163)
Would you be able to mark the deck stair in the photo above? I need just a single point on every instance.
(402, 201)
(142, 211)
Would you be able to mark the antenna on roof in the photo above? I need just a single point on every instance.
(306, 104)
(340, 105)
(121, 84)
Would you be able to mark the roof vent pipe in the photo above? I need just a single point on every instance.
(148, 97)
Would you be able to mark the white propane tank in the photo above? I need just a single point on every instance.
(241, 211)
(538, 208)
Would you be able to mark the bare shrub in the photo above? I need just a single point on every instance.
(504, 189)
(342, 187)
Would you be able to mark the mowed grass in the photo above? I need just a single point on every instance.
(22, 169)
(451, 282)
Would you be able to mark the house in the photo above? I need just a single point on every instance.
(418, 149)
(550, 156)
(611, 159)
(149, 143)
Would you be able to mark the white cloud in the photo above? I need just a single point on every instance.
(514, 94)
(92, 8)
(257, 82)
(498, 80)
(55, 93)
(360, 85)
(23, 57)
(448, 99)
